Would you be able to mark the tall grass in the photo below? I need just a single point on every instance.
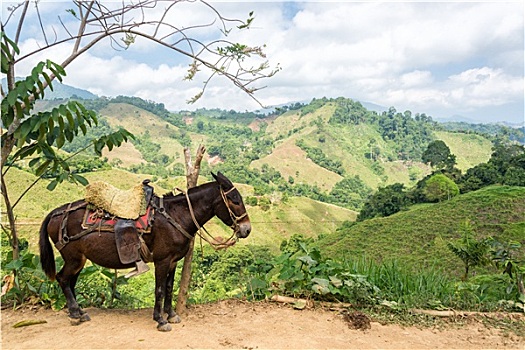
(400, 284)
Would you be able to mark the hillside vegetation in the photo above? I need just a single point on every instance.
(308, 167)
(331, 150)
(419, 235)
(271, 224)
(317, 180)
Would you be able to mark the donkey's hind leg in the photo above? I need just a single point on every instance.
(83, 315)
(67, 278)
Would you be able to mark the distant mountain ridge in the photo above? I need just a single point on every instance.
(61, 91)
(64, 91)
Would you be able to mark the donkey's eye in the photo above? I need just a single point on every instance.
(235, 199)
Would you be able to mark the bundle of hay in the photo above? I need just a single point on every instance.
(126, 204)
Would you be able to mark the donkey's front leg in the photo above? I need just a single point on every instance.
(168, 299)
(161, 274)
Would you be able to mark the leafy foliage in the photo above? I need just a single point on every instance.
(96, 286)
(318, 157)
(471, 251)
(439, 187)
(351, 192)
(506, 256)
(506, 166)
(438, 155)
(386, 201)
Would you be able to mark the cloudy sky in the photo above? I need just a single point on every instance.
(439, 58)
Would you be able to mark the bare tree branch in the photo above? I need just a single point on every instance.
(98, 22)
(122, 23)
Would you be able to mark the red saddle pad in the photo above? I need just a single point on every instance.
(107, 221)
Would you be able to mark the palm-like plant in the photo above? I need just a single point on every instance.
(471, 251)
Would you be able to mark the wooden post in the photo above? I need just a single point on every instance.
(192, 175)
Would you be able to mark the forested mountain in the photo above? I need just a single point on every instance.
(331, 150)
(309, 169)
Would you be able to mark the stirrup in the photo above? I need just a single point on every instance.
(140, 268)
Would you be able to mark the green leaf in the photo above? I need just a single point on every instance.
(70, 118)
(257, 284)
(19, 111)
(42, 168)
(50, 138)
(14, 265)
(23, 130)
(12, 97)
(83, 128)
(69, 135)
(60, 140)
(48, 80)
(82, 180)
(52, 185)
(48, 151)
(34, 161)
(60, 121)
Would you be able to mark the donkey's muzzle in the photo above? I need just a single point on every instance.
(244, 229)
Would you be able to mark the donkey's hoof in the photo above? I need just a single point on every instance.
(175, 319)
(164, 327)
(85, 317)
(74, 321)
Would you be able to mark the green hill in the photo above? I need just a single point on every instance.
(342, 131)
(418, 236)
(271, 224)
(319, 145)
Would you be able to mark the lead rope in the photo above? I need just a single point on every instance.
(214, 243)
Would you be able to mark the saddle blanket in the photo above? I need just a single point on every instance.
(94, 216)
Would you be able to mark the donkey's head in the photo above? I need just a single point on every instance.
(232, 212)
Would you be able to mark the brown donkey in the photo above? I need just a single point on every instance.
(176, 220)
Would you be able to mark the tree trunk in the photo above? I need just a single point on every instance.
(12, 221)
(192, 175)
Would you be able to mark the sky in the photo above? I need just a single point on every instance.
(443, 59)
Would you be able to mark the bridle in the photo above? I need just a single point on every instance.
(215, 243)
(235, 219)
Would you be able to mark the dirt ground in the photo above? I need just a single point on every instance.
(239, 325)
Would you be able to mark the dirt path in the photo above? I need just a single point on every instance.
(235, 324)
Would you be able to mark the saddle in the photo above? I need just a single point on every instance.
(127, 213)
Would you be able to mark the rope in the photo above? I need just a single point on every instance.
(215, 243)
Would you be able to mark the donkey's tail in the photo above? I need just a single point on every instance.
(47, 257)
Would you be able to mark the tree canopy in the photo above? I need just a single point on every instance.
(438, 155)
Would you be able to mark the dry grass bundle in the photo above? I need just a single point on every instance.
(126, 204)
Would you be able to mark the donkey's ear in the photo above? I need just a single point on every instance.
(223, 180)
(214, 176)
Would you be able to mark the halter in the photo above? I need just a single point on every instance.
(213, 242)
(235, 225)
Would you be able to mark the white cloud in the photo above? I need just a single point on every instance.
(416, 78)
(444, 57)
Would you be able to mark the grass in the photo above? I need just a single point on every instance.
(270, 227)
(470, 149)
(296, 216)
(419, 235)
(138, 122)
(291, 161)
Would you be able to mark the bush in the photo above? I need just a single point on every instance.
(439, 187)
